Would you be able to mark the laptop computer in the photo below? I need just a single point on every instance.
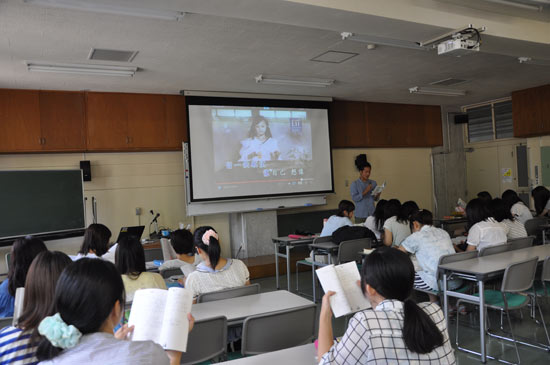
(130, 231)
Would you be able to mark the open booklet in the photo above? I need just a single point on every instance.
(342, 279)
(379, 188)
(161, 316)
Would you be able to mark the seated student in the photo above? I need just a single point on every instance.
(89, 303)
(18, 344)
(516, 206)
(502, 214)
(396, 224)
(130, 262)
(428, 243)
(342, 218)
(375, 222)
(96, 242)
(483, 229)
(395, 330)
(408, 208)
(485, 197)
(23, 251)
(214, 272)
(541, 197)
(182, 242)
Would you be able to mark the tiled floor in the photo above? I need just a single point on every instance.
(468, 329)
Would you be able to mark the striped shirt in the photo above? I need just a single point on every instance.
(15, 347)
(516, 228)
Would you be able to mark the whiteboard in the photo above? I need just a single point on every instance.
(244, 205)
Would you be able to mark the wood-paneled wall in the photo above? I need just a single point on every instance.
(531, 111)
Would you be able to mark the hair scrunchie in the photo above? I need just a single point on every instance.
(206, 236)
(58, 332)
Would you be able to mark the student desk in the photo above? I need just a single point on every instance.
(236, 310)
(481, 269)
(289, 244)
(450, 224)
(299, 355)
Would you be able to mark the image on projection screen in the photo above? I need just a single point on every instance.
(241, 151)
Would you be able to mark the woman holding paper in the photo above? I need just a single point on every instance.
(396, 329)
(361, 191)
(89, 302)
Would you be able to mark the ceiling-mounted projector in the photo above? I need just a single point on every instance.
(457, 47)
(457, 42)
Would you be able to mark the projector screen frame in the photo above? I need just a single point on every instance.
(255, 102)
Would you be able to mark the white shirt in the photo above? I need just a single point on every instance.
(333, 223)
(263, 151)
(186, 268)
(487, 233)
(516, 229)
(399, 230)
(205, 280)
(79, 256)
(521, 212)
(370, 223)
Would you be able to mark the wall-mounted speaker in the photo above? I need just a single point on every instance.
(461, 118)
(86, 170)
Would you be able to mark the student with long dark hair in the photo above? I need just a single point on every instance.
(483, 229)
(396, 224)
(18, 344)
(518, 209)
(341, 219)
(96, 242)
(130, 262)
(485, 197)
(541, 196)
(396, 329)
(214, 272)
(501, 213)
(23, 251)
(375, 222)
(88, 304)
(361, 190)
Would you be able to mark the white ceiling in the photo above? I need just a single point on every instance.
(221, 45)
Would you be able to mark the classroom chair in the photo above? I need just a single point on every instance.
(493, 250)
(239, 291)
(278, 330)
(166, 273)
(207, 341)
(311, 263)
(518, 277)
(532, 226)
(541, 287)
(8, 260)
(519, 243)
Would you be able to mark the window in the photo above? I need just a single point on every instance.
(490, 121)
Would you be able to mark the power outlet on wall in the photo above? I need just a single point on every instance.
(138, 211)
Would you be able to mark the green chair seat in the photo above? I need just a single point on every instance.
(493, 298)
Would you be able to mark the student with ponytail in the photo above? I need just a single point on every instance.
(214, 272)
(396, 329)
(88, 304)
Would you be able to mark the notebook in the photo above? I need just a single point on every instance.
(136, 231)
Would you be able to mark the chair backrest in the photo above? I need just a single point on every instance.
(170, 272)
(323, 239)
(6, 321)
(454, 257)
(532, 226)
(351, 250)
(152, 254)
(8, 259)
(278, 330)
(239, 291)
(168, 252)
(519, 276)
(492, 250)
(519, 243)
(545, 275)
(207, 340)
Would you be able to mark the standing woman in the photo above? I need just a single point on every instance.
(541, 196)
(361, 191)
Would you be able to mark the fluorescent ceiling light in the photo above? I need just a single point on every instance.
(105, 8)
(81, 69)
(436, 91)
(299, 81)
(519, 5)
(530, 61)
(371, 39)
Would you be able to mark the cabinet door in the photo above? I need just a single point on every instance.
(19, 121)
(146, 120)
(527, 113)
(423, 125)
(176, 121)
(347, 124)
(106, 122)
(383, 127)
(62, 121)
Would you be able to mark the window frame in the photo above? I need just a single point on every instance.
(491, 103)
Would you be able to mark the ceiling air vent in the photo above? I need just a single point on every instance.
(334, 57)
(448, 82)
(112, 55)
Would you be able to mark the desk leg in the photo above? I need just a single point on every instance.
(276, 265)
(288, 267)
(482, 320)
(446, 299)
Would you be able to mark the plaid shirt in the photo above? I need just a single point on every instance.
(375, 337)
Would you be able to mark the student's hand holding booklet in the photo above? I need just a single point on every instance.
(162, 316)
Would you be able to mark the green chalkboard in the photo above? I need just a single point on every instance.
(40, 202)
